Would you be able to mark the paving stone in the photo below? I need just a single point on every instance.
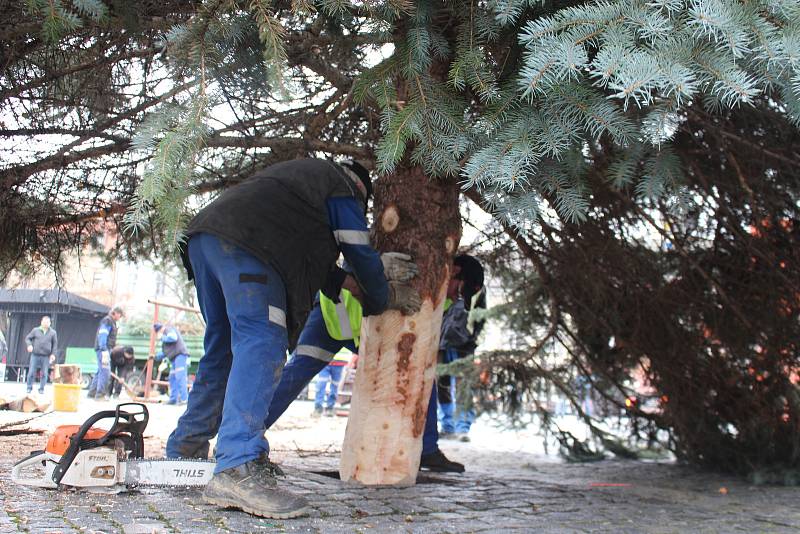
(658, 498)
(144, 528)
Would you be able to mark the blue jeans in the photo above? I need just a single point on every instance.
(315, 349)
(102, 376)
(464, 419)
(243, 302)
(452, 417)
(331, 374)
(179, 379)
(41, 363)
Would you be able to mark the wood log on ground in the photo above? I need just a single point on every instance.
(68, 374)
(25, 404)
(397, 355)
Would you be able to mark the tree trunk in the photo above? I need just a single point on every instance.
(397, 356)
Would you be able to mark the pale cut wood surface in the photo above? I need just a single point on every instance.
(396, 370)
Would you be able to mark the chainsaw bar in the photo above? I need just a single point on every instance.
(167, 472)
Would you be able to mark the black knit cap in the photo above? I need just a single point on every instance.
(472, 274)
(471, 271)
(361, 172)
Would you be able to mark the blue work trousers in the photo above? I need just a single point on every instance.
(243, 302)
(430, 436)
(179, 379)
(328, 379)
(38, 363)
(315, 349)
(100, 379)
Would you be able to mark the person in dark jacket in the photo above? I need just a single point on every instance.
(123, 360)
(258, 254)
(105, 340)
(174, 349)
(459, 340)
(42, 344)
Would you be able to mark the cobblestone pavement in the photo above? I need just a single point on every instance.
(603, 497)
(509, 486)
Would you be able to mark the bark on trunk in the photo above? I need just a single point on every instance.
(397, 356)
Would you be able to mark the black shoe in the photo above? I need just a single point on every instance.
(328, 412)
(253, 487)
(438, 463)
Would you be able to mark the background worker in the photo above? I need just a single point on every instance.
(42, 344)
(105, 340)
(122, 363)
(328, 384)
(258, 254)
(460, 331)
(174, 350)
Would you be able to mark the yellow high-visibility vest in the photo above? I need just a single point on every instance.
(447, 303)
(342, 320)
(343, 355)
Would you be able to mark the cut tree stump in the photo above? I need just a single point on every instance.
(383, 441)
(68, 374)
(418, 216)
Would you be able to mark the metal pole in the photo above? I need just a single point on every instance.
(176, 306)
(148, 379)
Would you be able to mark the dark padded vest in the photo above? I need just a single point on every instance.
(174, 349)
(280, 216)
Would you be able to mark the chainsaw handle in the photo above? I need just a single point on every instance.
(133, 423)
(35, 458)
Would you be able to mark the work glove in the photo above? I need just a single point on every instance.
(398, 266)
(105, 358)
(403, 297)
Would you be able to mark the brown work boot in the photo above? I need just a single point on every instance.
(253, 487)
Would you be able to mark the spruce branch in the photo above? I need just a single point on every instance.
(272, 35)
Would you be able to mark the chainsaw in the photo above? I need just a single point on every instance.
(107, 461)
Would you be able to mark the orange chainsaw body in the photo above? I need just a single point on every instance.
(60, 439)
